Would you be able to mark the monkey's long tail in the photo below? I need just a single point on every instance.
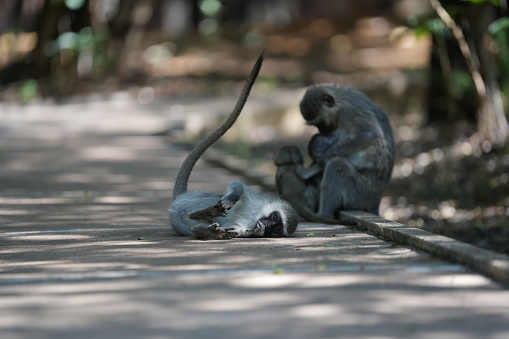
(188, 164)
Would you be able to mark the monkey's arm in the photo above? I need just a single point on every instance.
(237, 231)
(308, 173)
(350, 145)
(289, 158)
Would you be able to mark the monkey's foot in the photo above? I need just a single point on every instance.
(209, 213)
(226, 203)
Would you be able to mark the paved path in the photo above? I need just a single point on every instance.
(85, 251)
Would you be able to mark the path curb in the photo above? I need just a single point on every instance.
(492, 264)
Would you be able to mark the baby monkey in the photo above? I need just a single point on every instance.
(240, 211)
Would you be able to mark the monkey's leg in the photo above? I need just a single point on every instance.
(209, 213)
(311, 197)
(302, 196)
(343, 187)
(290, 186)
(233, 194)
(212, 231)
(220, 209)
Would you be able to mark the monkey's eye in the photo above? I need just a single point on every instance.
(278, 228)
(328, 100)
(274, 216)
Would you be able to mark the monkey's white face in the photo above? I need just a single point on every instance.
(280, 221)
(273, 225)
(261, 214)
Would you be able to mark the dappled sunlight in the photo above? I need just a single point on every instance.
(153, 249)
(464, 280)
(92, 177)
(249, 302)
(119, 200)
(328, 281)
(267, 281)
(34, 201)
(34, 263)
(110, 153)
(50, 237)
(6, 211)
(190, 269)
(148, 250)
(189, 286)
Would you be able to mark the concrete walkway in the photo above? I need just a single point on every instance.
(85, 251)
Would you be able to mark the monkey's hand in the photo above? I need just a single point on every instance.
(231, 232)
(214, 231)
(241, 232)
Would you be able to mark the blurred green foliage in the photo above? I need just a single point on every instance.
(28, 90)
(460, 82)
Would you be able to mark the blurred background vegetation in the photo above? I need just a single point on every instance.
(440, 69)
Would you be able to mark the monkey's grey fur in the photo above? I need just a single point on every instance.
(354, 148)
(241, 211)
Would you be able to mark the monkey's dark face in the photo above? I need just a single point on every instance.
(277, 218)
(274, 227)
(317, 107)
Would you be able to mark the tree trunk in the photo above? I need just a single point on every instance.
(492, 122)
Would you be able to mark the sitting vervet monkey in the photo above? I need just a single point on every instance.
(241, 211)
(354, 149)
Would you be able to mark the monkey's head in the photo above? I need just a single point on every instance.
(318, 107)
(288, 155)
(327, 105)
(278, 219)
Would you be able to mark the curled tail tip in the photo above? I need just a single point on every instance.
(257, 66)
